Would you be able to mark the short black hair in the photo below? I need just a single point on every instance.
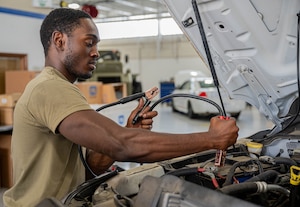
(64, 20)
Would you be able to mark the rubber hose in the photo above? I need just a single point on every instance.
(241, 188)
(251, 187)
(265, 176)
(285, 160)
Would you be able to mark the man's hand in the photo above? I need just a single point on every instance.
(145, 120)
(225, 132)
(98, 162)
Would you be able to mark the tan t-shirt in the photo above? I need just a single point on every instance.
(45, 164)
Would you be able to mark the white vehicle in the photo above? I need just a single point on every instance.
(204, 87)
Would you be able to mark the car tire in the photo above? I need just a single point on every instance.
(190, 113)
(173, 107)
(236, 115)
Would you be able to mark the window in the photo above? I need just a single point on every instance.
(128, 29)
(138, 28)
(207, 83)
(169, 27)
(186, 85)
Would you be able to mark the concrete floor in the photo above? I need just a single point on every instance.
(249, 122)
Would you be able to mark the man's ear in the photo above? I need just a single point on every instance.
(58, 40)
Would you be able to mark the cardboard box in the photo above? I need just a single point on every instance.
(6, 115)
(113, 91)
(109, 94)
(9, 100)
(2, 81)
(92, 91)
(16, 80)
(5, 160)
(7, 105)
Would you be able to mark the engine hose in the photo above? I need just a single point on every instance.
(265, 176)
(252, 187)
(241, 188)
(231, 172)
(285, 161)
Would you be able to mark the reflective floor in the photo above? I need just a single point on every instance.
(250, 121)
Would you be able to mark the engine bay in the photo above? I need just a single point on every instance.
(251, 176)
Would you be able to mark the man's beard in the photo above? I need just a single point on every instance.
(71, 62)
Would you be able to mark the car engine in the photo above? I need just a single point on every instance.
(255, 173)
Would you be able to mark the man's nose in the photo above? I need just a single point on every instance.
(95, 53)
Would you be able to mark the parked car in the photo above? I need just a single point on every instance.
(204, 87)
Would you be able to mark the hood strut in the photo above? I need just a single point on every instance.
(207, 51)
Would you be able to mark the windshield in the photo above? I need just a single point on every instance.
(208, 83)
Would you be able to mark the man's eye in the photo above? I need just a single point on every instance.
(89, 44)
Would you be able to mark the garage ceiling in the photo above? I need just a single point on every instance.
(112, 10)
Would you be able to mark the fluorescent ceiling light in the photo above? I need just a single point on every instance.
(128, 29)
(74, 6)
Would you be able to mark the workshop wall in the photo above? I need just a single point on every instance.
(20, 34)
(155, 59)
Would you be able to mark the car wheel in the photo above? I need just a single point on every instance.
(190, 113)
(173, 107)
(236, 115)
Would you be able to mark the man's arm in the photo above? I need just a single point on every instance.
(98, 162)
(97, 132)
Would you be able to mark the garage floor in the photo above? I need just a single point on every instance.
(249, 122)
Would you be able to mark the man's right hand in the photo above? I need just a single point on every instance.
(223, 131)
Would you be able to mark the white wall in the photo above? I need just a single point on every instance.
(155, 59)
(155, 71)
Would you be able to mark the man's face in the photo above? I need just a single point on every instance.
(81, 51)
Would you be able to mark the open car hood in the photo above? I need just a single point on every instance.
(253, 47)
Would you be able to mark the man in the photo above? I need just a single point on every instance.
(52, 117)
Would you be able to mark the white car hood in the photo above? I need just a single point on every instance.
(253, 45)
